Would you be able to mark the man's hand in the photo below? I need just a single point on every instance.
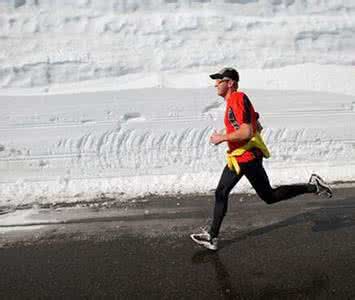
(217, 138)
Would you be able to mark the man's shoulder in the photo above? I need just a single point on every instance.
(238, 96)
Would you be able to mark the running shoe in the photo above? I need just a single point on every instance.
(204, 239)
(321, 185)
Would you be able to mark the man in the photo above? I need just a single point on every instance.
(246, 150)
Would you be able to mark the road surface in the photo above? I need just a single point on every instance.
(303, 248)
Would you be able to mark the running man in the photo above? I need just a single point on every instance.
(246, 150)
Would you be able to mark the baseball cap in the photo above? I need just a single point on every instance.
(226, 73)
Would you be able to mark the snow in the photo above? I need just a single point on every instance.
(57, 42)
(113, 97)
(134, 142)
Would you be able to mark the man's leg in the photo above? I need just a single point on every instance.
(258, 178)
(226, 183)
(208, 239)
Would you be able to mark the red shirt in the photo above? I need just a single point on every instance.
(239, 110)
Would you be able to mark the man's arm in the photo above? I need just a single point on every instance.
(245, 132)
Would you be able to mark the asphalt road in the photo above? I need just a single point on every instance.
(299, 249)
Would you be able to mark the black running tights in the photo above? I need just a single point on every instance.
(255, 173)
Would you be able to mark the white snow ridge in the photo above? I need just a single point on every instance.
(113, 97)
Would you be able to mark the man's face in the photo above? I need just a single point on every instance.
(222, 87)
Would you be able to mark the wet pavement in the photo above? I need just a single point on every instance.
(300, 249)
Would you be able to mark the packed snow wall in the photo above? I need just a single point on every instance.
(46, 41)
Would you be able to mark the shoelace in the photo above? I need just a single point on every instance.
(204, 230)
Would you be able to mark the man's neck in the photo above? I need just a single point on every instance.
(229, 93)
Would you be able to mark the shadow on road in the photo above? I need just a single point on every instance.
(323, 219)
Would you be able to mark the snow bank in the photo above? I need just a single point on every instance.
(135, 142)
(48, 42)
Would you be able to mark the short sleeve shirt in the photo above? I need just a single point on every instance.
(239, 110)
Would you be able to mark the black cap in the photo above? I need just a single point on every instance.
(226, 73)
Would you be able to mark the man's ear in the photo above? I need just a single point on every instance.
(232, 85)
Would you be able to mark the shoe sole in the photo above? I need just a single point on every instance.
(204, 244)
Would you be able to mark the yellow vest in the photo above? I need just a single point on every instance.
(255, 142)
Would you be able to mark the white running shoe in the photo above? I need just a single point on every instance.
(204, 239)
(321, 185)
